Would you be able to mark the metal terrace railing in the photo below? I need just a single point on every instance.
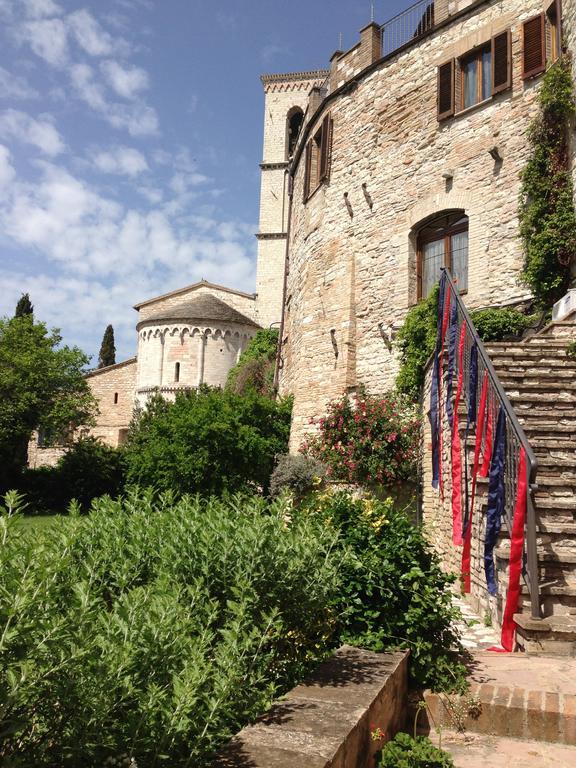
(515, 436)
(407, 25)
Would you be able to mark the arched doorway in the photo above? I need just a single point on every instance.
(442, 241)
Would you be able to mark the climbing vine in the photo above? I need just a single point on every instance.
(546, 210)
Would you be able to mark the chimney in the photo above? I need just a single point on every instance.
(370, 44)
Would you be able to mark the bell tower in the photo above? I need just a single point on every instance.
(286, 99)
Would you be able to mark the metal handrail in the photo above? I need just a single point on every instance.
(500, 398)
(408, 25)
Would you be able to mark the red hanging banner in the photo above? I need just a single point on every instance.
(516, 553)
(488, 442)
(456, 451)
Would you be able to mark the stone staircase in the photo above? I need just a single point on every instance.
(540, 381)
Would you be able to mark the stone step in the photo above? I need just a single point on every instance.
(551, 635)
(539, 373)
(557, 398)
(540, 384)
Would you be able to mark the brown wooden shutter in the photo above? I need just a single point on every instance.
(501, 62)
(533, 46)
(446, 90)
(326, 148)
(307, 164)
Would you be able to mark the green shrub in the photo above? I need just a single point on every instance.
(405, 752)
(89, 469)
(500, 323)
(155, 629)
(392, 593)
(208, 441)
(254, 371)
(367, 439)
(571, 350)
(546, 206)
(415, 342)
(298, 474)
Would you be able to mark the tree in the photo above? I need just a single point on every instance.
(42, 385)
(107, 354)
(254, 371)
(208, 441)
(24, 306)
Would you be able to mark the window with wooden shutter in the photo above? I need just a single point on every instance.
(501, 62)
(325, 148)
(446, 90)
(307, 163)
(533, 46)
(553, 31)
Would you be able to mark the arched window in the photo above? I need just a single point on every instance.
(442, 242)
(177, 372)
(294, 122)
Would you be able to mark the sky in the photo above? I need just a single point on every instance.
(130, 137)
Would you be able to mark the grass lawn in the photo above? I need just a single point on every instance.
(39, 523)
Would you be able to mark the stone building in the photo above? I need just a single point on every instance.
(408, 158)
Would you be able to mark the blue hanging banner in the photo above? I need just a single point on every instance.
(452, 333)
(472, 384)
(496, 493)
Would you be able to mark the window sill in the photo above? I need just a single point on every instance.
(474, 106)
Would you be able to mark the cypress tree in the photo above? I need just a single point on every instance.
(107, 354)
(24, 306)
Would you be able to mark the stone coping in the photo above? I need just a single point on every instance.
(326, 721)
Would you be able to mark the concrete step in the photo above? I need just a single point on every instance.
(512, 696)
(553, 635)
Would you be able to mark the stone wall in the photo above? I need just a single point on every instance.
(113, 387)
(353, 259)
(204, 353)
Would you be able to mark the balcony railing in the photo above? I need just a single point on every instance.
(407, 26)
(497, 400)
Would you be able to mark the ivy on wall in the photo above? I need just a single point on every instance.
(546, 208)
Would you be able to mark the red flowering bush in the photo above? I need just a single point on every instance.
(367, 439)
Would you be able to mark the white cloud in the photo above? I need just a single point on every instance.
(126, 81)
(38, 9)
(48, 39)
(91, 36)
(6, 170)
(14, 87)
(124, 161)
(137, 118)
(39, 133)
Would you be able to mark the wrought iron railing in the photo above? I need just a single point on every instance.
(407, 26)
(515, 436)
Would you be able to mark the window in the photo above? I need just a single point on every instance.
(177, 372)
(294, 122)
(475, 77)
(318, 158)
(541, 40)
(442, 242)
(115, 398)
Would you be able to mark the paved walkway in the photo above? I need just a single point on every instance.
(476, 636)
(477, 750)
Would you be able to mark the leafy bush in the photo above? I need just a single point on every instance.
(89, 469)
(415, 341)
(254, 371)
(500, 323)
(299, 474)
(571, 350)
(405, 752)
(367, 439)
(416, 338)
(208, 441)
(392, 592)
(546, 206)
(155, 630)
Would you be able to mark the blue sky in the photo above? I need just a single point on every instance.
(130, 137)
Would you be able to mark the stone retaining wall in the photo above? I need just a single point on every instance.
(326, 722)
